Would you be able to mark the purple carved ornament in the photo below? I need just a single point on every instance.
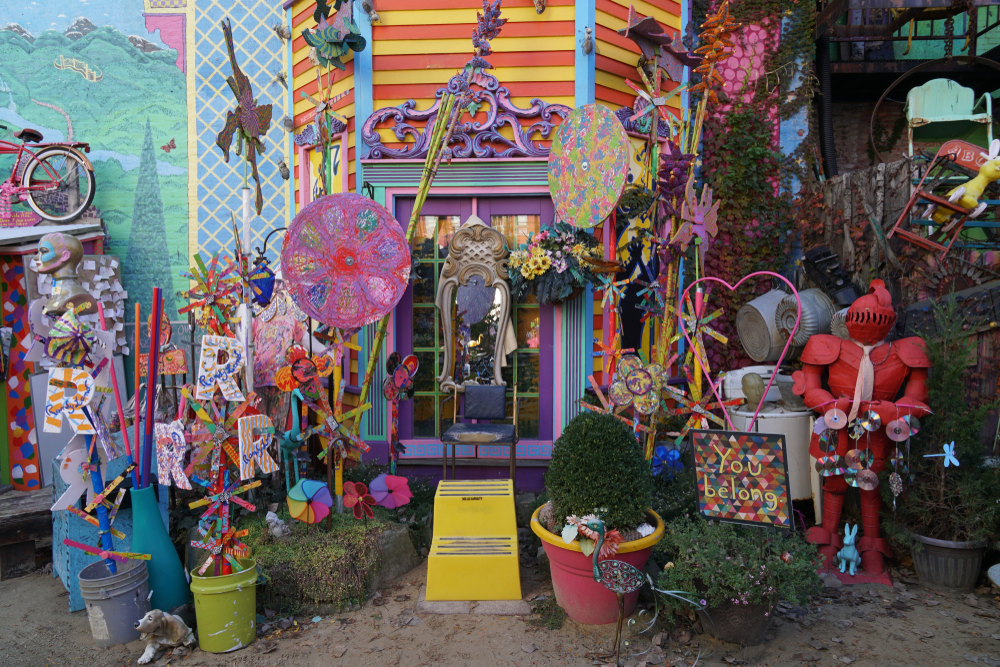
(470, 139)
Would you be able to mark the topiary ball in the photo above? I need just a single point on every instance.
(598, 467)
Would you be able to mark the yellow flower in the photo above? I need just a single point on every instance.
(544, 263)
(526, 271)
(537, 252)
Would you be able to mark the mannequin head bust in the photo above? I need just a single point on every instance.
(60, 254)
(56, 251)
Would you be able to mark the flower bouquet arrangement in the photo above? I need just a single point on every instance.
(553, 263)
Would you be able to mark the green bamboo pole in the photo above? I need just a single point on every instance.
(439, 138)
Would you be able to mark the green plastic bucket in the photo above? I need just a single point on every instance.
(226, 607)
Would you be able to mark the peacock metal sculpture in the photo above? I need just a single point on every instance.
(621, 579)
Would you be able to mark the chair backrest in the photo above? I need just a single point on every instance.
(939, 98)
(485, 402)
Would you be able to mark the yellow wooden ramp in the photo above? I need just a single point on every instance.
(474, 550)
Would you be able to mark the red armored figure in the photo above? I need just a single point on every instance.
(863, 373)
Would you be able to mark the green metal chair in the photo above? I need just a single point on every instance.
(941, 110)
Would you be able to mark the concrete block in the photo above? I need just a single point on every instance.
(441, 606)
(502, 608)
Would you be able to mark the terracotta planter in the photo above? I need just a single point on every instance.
(743, 624)
(584, 600)
(948, 566)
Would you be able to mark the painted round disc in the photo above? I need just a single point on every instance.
(867, 480)
(619, 394)
(628, 364)
(660, 375)
(828, 441)
(829, 466)
(639, 382)
(871, 421)
(645, 404)
(345, 260)
(897, 430)
(835, 419)
(851, 477)
(856, 429)
(588, 166)
(913, 423)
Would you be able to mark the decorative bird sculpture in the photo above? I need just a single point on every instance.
(621, 579)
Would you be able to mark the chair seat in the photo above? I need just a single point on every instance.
(462, 434)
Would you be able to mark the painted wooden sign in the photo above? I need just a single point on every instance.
(742, 477)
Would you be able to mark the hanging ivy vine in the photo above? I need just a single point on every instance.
(760, 219)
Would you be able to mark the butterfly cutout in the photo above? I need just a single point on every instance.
(949, 455)
(169, 146)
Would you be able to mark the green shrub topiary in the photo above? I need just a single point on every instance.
(598, 467)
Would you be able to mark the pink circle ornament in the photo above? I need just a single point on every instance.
(588, 166)
(345, 260)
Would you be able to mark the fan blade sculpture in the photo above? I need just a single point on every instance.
(248, 122)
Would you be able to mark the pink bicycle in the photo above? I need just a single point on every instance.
(55, 179)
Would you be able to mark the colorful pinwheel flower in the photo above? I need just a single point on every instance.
(334, 40)
(666, 459)
(637, 385)
(356, 496)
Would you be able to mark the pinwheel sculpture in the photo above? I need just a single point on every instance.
(666, 460)
(356, 496)
(248, 122)
(309, 501)
(390, 491)
(224, 543)
(70, 340)
(699, 219)
(215, 295)
(333, 40)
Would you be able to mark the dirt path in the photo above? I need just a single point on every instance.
(862, 625)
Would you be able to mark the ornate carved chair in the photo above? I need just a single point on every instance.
(474, 296)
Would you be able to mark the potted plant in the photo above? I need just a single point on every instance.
(553, 265)
(740, 572)
(948, 511)
(597, 468)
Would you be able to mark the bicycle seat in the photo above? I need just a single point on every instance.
(29, 136)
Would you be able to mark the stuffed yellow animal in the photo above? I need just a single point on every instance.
(968, 195)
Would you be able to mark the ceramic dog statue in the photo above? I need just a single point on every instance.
(849, 554)
(162, 630)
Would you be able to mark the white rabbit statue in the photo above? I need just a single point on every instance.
(849, 554)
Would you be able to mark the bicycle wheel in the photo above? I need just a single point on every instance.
(64, 185)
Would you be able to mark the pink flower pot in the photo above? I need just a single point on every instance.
(585, 600)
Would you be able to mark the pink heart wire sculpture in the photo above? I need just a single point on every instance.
(699, 307)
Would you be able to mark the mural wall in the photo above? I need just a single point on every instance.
(94, 73)
(143, 81)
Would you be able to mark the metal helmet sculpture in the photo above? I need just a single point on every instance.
(870, 319)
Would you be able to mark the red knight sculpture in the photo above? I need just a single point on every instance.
(864, 373)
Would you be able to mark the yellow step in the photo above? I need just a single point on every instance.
(474, 553)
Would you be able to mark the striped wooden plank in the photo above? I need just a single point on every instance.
(505, 75)
(426, 16)
(382, 32)
(500, 45)
(456, 61)
(393, 5)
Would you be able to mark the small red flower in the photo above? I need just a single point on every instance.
(356, 495)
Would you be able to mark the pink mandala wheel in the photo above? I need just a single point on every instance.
(346, 260)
